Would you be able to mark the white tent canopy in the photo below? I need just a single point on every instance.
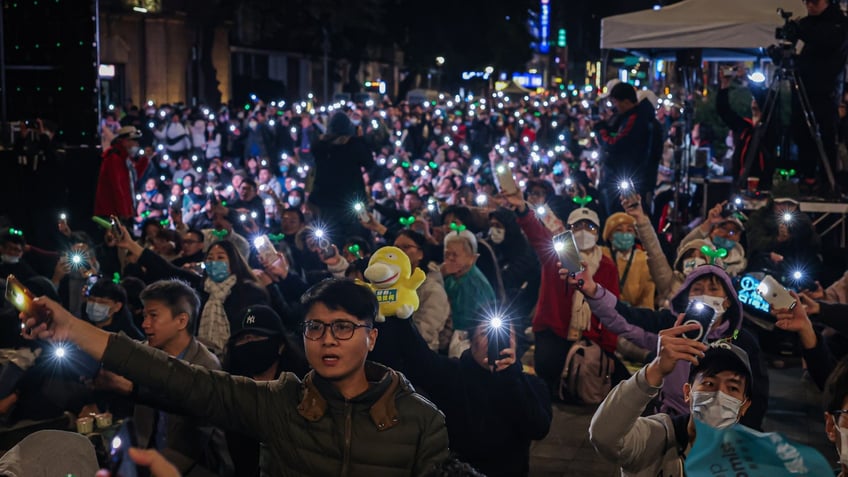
(735, 24)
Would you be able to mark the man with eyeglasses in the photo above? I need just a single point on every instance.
(347, 417)
(192, 248)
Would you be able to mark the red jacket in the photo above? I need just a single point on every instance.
(114, 194)
(553, 308)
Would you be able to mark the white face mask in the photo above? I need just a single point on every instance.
(692, 263)
(10, 259)
(134, 151)
(843, 441)
(714, 302)
(585, 240)
(715, 409)
(497, 234)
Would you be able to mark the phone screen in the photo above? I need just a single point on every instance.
(23, 300)
(120, 464)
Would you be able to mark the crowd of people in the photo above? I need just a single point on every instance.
(222, 308)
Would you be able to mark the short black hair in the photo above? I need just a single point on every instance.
(342, 295)
(836, 387)
(296, 211)
(105, 288)
(453, 467)
(249, 181)
(624, 91)
(718, 361)
(198, 234)
(176, 295)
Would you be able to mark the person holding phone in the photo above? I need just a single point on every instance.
(394, 431)
(717, 390)
(557, 305)
(708, 284)
(493, 409)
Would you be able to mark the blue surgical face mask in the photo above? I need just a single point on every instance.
(217, 270)
(623, 240)
(725, 243)
(97, 312)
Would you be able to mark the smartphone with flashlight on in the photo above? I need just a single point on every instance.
(627, 190)
(498, 334)
(266, 250)
(505, 179)
(775, 294)
(120, 464)
(23, 300)
(116, 228)
(361, 212)
(704, 316)
(567, 252)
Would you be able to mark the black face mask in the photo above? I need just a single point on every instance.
(253, 358)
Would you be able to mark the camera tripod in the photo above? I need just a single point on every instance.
(786, 74)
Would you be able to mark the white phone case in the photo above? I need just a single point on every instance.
(775, 294)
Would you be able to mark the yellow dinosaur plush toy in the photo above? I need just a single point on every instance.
(393, 282)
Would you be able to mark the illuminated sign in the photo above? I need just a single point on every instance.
(544, 26)
(106, 71)
(467, 75)
(748, 294)
(527, 80)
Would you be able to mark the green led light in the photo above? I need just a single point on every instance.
(58, 44)
(59, 88)
(37, 45)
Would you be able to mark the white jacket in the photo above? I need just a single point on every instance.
(642, 446)
(433, 307)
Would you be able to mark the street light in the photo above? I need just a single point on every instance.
(440, 60)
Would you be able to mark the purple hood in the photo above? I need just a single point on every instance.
(681, 298)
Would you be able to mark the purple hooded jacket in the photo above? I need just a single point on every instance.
(641, 326)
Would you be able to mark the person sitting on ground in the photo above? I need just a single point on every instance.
(634, 279)
(106, 307)
(707, 284)
(465, 285)
(717, 393)
(494, 410)
(724, 231)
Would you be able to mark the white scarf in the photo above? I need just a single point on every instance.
(581, 314)
(214, 328)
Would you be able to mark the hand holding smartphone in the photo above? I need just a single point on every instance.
(120, 464)
(24, 300)
(566, 249)
(505, 179)
(775, 294)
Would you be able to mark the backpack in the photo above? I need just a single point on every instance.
(587, 374)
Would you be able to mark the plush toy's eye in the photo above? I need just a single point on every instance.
(390, 256)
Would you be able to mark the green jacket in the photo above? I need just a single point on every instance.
(309, 428)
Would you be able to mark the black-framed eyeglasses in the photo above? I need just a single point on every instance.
(341, 329)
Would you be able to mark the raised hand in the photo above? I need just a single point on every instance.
(671, 348)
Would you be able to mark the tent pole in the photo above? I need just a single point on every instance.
(604, 62)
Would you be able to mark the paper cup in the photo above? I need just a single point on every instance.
(85, 425)
(753, 184)
(103, 420)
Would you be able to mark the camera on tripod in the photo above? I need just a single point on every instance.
(787, 36)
